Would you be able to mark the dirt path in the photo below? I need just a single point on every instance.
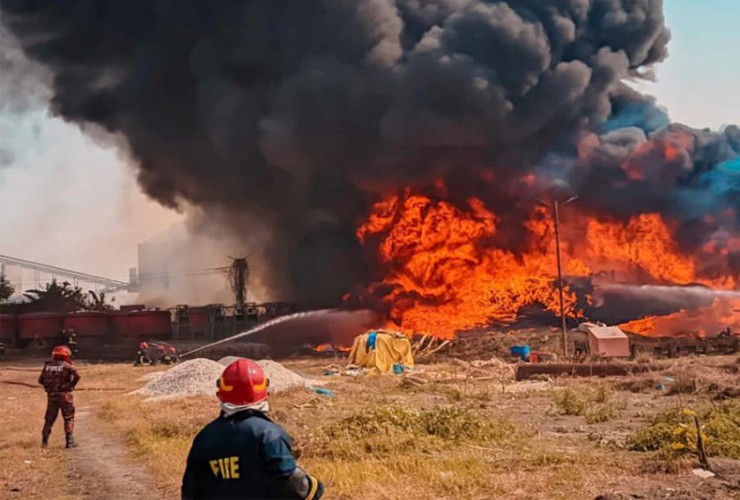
(101, 468)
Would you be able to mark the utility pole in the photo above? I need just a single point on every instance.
(555, 206)
(239, 279)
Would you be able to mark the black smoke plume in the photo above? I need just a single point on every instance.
(299, 113)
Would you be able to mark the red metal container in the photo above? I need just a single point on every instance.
(44, 325)
(8, 328)
(148, 324)
(118, 322)
(88, 323)
(197, 318)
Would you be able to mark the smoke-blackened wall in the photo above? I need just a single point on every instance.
(299, 113)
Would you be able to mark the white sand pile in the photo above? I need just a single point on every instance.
(149, 376)
(226, 361)
(281, 378)
(197, 377)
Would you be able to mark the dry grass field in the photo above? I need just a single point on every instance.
(463, 433)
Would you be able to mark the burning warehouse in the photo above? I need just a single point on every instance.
(396, 152)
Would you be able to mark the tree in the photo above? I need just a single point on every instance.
(56, 297)
(96, 302)
(6, 289)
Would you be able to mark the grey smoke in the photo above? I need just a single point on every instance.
(300, 113)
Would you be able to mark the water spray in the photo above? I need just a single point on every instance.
(673, 290)
(273, 322)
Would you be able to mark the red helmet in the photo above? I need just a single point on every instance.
(61, 352)
(243, 382)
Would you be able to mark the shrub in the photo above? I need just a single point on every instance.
(673, 435)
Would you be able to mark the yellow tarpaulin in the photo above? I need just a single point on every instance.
(390, 348)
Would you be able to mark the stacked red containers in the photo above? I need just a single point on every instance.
(197, 318)
(145, 324)
(88, 323)
(40, 325)
(8, 328)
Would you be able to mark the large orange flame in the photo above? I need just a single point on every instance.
(446, 272)
(703, 322)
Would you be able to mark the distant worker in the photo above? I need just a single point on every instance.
(243, 454)
(142, 356)
(170, 356)
(59, 378)
(39, 341)
(72, 340)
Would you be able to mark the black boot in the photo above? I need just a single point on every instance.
(44, 439)
(70, 441)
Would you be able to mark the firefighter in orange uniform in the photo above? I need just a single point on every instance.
(59, 378)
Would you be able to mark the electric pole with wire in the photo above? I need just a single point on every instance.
(555, 207)
(239, 279)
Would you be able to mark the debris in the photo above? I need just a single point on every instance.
(544, 357)
(703, 473)
(322, 391)
(15, 489)
(354, 371)
(411, 381)
(527, 371)
(399, 368)
(523, 352)
(332, 372)
(427, 345)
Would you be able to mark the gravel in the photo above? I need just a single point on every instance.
(197, 377)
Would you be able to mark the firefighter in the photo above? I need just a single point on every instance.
(39, 341)
(170, 356)
(242, 454)
(72, 340)
(59, 378)
(141, 355)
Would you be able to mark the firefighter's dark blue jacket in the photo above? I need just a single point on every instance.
(245, 456)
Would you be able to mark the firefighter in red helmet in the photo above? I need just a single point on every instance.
(242, 454)
(59, 378)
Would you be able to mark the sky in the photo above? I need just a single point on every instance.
(66, 200)
(699, 81)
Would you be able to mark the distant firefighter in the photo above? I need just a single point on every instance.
(59, 378)
(72, 340)
(170, 356)
(143, 356)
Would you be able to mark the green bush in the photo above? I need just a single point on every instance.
(596, 405)
(674, 434)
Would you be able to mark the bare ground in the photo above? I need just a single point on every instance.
(126, 442)
(101, 467)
